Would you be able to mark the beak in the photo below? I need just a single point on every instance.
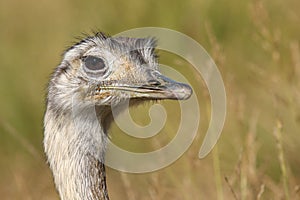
(157, 86)
(161, 87)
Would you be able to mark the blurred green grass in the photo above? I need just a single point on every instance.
(256, 46)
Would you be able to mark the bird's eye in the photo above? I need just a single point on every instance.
(94, 63)
(94, 66)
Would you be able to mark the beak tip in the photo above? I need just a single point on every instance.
(182, 91)
(187, 92)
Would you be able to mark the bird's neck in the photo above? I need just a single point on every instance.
(75, 147)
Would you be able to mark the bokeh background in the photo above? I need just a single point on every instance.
(255, 44)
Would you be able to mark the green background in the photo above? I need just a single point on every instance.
(255, 44)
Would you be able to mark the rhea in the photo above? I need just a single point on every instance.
(95, 75)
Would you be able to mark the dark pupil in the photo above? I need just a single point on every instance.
(94, 63)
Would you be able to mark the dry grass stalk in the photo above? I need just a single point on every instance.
(261, 191)
(128, 188)
(297, 189)
(267, 36)
(295, 56)
(217, 52)
(217, 173)
(278, 137)
(21, 139)
(231, 189)
(219, 58)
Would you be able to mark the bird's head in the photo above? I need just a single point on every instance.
(103, 70)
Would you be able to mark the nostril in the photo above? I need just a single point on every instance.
(154, 82)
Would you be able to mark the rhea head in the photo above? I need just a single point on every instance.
(105, 71)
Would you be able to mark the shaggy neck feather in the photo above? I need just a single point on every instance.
(75, 150)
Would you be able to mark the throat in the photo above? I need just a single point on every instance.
(86, 180)
(75, 151)
(93, 185)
